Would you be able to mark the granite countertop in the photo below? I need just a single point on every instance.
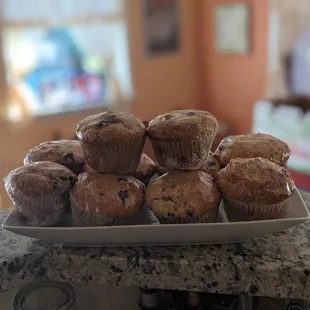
(276, 266)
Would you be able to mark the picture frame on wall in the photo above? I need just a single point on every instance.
(232, 29)
(161, 26)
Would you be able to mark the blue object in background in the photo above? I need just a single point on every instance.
(67, 52)
(59, 61)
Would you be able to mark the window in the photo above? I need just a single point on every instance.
(63, 55)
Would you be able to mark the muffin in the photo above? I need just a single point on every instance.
(184, 197)
(145, 170)
(255, 189)
(40, 192)
(112, 142)
(64, 152)
(182, 139)
(105, 199)
(253, 145)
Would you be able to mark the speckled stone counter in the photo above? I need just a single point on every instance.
(276, 266)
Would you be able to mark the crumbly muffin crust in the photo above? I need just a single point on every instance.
(182, 124)
(111, 195)
(109, 127)
(64, 152)
(40, 179)
(145, 170)
(256, 180)
(253, 145)
(184, 195)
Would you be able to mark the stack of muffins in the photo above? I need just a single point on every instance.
(254, 182)
(101, 178)
(249, 173)
(186, 193)
(106, 194)
(96, 179)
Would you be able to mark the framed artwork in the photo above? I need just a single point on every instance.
(233, 29)
(161, 25)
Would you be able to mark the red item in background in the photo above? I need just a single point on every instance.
(301, 180)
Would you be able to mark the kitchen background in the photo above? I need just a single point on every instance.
(67, 59)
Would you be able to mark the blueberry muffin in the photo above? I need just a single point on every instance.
(145, 170)
(212, 166)
(112, 142)
(253, 145)
(184, 197)
(40, 192)
(105, 199)
(182, 139)
(255, 189)
(64, 152)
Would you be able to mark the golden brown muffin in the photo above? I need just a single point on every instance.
(184, 197)
(112, 142)
(253, 145)
(39, 192)
(64, 152)
(105, 199)
(255, 189)
(182, 139)
(145, 170)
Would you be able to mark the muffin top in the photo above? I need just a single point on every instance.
(145, 170)
(64, 152)
(110, 127)
(255, 180)
(212, 166)
(182, 124)
(115, 196)
(253, 145)
(40, 179)
(183, 193)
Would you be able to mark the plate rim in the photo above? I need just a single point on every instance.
(166, 226)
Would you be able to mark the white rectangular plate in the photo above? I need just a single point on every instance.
(161, 235)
